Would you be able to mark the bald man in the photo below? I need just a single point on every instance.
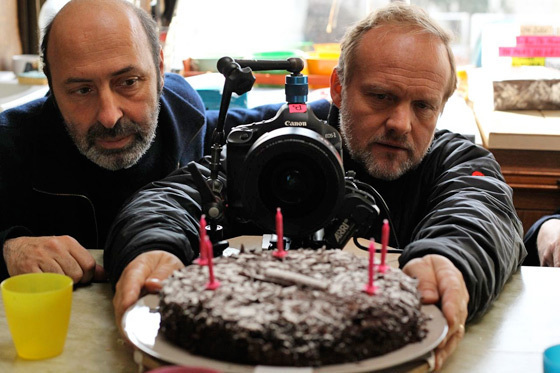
(108, 127)
(112, 123)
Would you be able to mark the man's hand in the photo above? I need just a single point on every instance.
(440, 281)
(548, 243)
(56, 254)
(145, 272)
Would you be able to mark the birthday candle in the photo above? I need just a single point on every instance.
(279, 252)
(212, 284)
(384, 243)
(202, 260)
(370, 288)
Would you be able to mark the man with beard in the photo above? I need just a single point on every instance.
(452, 211)
(111, 124)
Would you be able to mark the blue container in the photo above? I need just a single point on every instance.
(551, 359)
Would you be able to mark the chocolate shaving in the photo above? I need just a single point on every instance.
(295, 278)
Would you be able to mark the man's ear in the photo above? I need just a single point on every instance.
(336, 89)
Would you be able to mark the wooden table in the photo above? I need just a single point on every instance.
(509, 338)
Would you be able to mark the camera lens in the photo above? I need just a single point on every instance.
(291, 184)
(297, 170)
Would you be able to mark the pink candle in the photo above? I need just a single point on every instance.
(384, 243)
(279, 252)
(202, 260)
(370, 288)
(212, 284)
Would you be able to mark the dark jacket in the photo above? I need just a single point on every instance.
(441, 207)
(530, 240)
(48, 188)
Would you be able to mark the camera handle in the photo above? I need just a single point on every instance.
(239, 80)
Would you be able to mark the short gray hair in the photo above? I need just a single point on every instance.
(399, 14)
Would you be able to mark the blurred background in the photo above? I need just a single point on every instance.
(210, 28)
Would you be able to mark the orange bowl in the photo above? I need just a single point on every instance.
(321, 63)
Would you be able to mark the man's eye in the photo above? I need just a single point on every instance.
(424, 106)
(130, 82)
(83, 91)
(380, 96)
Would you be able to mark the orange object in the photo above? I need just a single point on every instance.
(321, 63)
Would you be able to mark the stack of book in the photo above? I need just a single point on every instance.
(537, 46)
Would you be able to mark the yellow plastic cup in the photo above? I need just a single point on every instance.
(38, 309)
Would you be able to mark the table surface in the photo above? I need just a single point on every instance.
(509, 338)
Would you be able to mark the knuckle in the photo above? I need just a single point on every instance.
(90, 263)
(68, 240)
(75, 275)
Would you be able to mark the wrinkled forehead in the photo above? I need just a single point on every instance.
(406, 50)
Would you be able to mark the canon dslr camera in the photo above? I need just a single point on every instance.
(292, 162)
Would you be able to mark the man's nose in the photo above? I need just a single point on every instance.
(109, 111)
(400, 118)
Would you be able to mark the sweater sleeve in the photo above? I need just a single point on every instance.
(470, 220)
(530, 240)
(12, 168)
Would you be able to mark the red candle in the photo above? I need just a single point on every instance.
(202, 260)
(212, 284)
(370, 288)
(384, 243)
(279, 252)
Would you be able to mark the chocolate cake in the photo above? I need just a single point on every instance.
(307, 309)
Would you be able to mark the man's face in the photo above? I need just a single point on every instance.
(389, 109)
(106, 86)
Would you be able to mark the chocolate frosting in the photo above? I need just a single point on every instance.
(307, 309)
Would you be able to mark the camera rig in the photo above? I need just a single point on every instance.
(292, 161)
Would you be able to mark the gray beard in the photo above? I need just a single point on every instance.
(375, 168)
(116, 159)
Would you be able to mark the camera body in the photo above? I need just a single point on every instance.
(292, 161)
